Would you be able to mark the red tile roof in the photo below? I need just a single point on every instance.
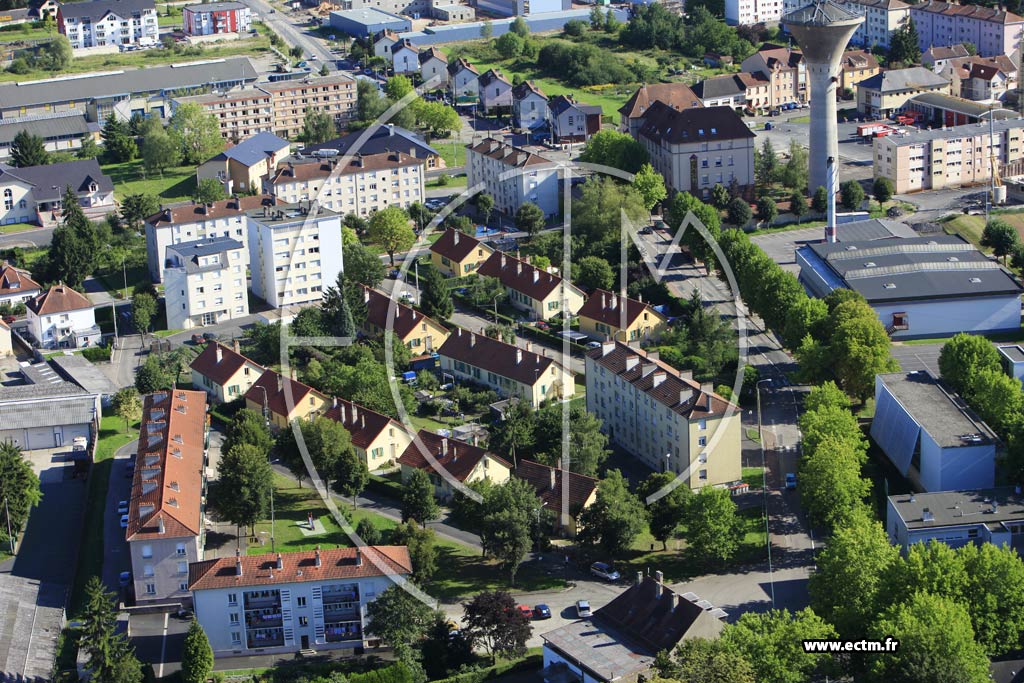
(59, 299)
(509, 155)
(521, 276)
(197, 213)
(167, 489)
(16, 281)
(997, 15)
(676, 95)
(456, 245)
(363, 424)
(458, 458)
(296, 567)
(280, 392)
(405, 319)
(289, 172)
(495, 356)
(549, 481)
(607, 307)
(219, 364)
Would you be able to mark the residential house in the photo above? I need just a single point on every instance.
(956, 518)
(882, 18)
(283, 400)
(513, 176)
(201, 285)
(361, 183)
(551, 485)
(16, 285)
(293, 257)
(509, 370)
(278, 604)
(695, 149)
(190, 222)
(166, 509)
(857, 65)
(464, 82)
(445, 459)
(242, 168)
(224, 373)
(529, 106)
(35, 194)
(216, 17)
(45, 410)
(785, 70)
(405, 58)
(377, 439)
(676, 95)
(61, 318)
(610, 316)
(538, 293)
(420, 334)
(992, 30)
(495, 93)
(930, 435)
(662, 416)
(737, 91)
(980, 79)
(886, 93)
(457, 254)
(571, 121)
(434, 65)
(621, 640)
(379, 139)
(108, 23)
(383, 42)
(937, 57)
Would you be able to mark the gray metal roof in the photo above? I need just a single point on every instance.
(85, 87)
(76, 368)
(214, 7)
(958, 105)
(897, 80)
(1013, 352)
(49, 182)
(190, 253)
(919, 268)
(720, 86)
(969, 130)
(383, 138)
(601, 648)
(822, 13)
(873, 229)
(255, 149)
(938, 413)
(960, 508)
(97, 9)
(368, 15)
(46, 412)
(48, 127)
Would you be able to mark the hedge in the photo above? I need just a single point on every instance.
(95, 354)
(384, 486)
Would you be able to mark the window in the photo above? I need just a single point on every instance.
(180, 550)
(233, 618)
(150, 589)
(183, 586)
(183, 567)
(147, 570)
(702, 441)
(702, 424)
(147, 551)
(236, 637)
(303, 621)
(300, 601)
(232, 599)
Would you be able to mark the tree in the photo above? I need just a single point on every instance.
(484, 206)
(196, 655)
(159, 150)
(143, 311)
(849, 589)
(509, 45)
(507, 516)
(350, 475)
(738, 212)
(196, 132)
(819, 203)
(74, 247)
(390, 229)
(89, 148)
(486, 30)
(119, 144)
(773, 644)
(530, 219)
(520, 27)
(699, 660)
(128, 406)
(248, 427)
(832, 487)
(368, 532)
(422, 550)
(58, 53)
(994, 595)
(492, 619)
(418, 501)
(883, 189)
(153, 375)
(370, 104)
(712, 528)
(614, 519)
(244, 484)
(588, 446)
(514, 436)
(767, 211)
(851, 194)
(612, 148)
(593, 272)
(103, 646)
(327, 441)
(296, 52)
(208, 191)
(797, 204)
(483, 290)
(963, 357)
(794, 173)
(438, 118)
(766, 164)
(318, 126)
(19, 487)
(135, 208)
(936, 643)
(860, 348)
(397, 617)
(1000, 237)
(665, 514)
(263, 342)
(720, 196)
(444, 650)
(362, 265)
(28, 150)
(997, 398)
(904, 45)
(648, 182)
(309, 322)
(436, 297)
(127, 669)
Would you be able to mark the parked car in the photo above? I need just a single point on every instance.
(124, 579)
(122, 507)
(583, 609)
(124, 521)
(604, 571)
(525, 610)
(197, 339)
(593, 344)
(209, 336)
(790, 480)
(9, 319)
(541, 612)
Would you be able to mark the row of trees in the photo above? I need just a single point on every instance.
(192, 136)
(699, 32)
(435, 118)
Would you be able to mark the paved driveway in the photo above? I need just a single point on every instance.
(115, 549)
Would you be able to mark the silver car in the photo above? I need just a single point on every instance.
(583, 609)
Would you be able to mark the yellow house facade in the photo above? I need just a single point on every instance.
(283, 400)
(537, 292)
(457, 254)
(609, 316)
(377, 439)
(418, 332)
(454, 461)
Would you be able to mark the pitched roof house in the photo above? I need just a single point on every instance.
(608, 315)
(571, 121)
(676, 95)
(446, 459)
(551, 485)
(495, 92)
(224, 373)
(283, 399)
(418, 332)
(16, 285)
(530, 288)
(457, 254)
(378, 439)
(60, 317)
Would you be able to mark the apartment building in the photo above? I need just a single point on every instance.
(293, 255)
(992, 30)
(278, 107)
(675, 95)
(785, 71)
(277, 604)
(611, 316)
(749, 12)
(538, 293)
(951, 157)
(452, 459)
(166, 531)
(224, 373)
(695, 149)
(204, 283)
(662, 416)
(190, 222)
(956, 518)
(108, 23)
(377, 439)
(377, 139)
(283, 400)
(420, 334)
(882, 18)
(980, 79)
(513, 176)
(216, 17)
(457, 254)
(62, 318)
(507, 369)
(243, 167)
(361, 184)
(857, 65)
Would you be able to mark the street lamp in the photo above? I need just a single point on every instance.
(991, 155)
(764, 487)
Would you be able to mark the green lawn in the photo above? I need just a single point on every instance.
(970, 227)
(753, 477)
(176, 184)
(30, 31)
(12, 228)
(453, 181)
(114, 280)
(452, 151)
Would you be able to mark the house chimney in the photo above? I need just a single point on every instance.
(280, 562)
(503, 262)
(334, 402)
(236, 345)
(673, 600)
(553, 477)
(615, 301)
(536, 275)
(317, 561)
(455, 237)
(291, 372)
(519, 356)
(355, 413)
(639, 578)
(686, 375)
(519, 267)
(660, 578)
(685, 395)
(444, 445)
(604, 301)
(366, 295)
(160, 524)
(220, 354)
(632, 361)
(238, 562)
(657, 378)
(607, 347)
(359, 557)
(472, 340)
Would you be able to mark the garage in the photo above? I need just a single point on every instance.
(37, 422)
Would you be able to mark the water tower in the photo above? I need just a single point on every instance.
(822, 29)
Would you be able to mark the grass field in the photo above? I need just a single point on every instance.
(453, 153)
(970, 227)
(13, 228)
(30, 31)
(453, 181)
(176, 184)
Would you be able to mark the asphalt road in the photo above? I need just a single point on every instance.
(912, 357)
(37, 237)
(291, 34)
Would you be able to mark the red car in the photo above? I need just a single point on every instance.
(525, 610)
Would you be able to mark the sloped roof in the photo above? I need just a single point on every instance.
(896, 80)
(945, 52)
(456, 245)
(859, 59)
(191, 212)
(662, 123)
(560, 103)
(363, 424)
(219, 363)
(729, 85)
(291, 172)
(997, 15)
(280, 391)
(100, 8)
(539, 476)
(525, 89)
(59, 299)
(493, 76)
(378, 140)
(522, 276)
(496, 356)
(607, 307)
(296, 567)
(256, 148)
(16, 281)
(405, 319)
(676, 95)
(509, 154)
(460, 64)
(64, 125)
(457, 458)
(432, 53)
(50, 181)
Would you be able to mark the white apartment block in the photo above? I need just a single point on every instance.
(992, 30)
(513, 176)
(293, 255)
(191, 222)
(205, 283)
(103, 23)
(366, 183)
(275, 604)
(749, 12)
(882, 18)
(662, 416)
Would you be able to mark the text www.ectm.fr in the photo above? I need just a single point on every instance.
(828, 646)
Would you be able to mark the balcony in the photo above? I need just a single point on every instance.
(267, 637)
(263, 619)
(341, 631)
